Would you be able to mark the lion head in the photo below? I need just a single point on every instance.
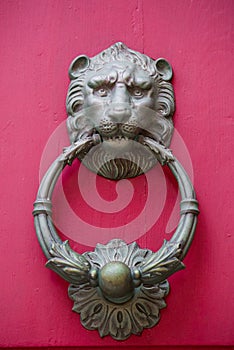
(121, 95)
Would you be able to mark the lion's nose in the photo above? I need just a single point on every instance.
(120, 94)
(120, 109)
(120, 112)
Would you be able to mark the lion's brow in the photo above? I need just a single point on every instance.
(142, 83)
(100, 80)
(133, 80)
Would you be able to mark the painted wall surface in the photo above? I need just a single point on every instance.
(38, 41)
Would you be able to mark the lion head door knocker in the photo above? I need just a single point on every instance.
(120, 105)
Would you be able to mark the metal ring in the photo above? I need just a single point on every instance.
(153, 268)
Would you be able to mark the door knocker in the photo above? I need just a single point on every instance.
(120, 105)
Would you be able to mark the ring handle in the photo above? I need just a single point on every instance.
(180, 241)
(118, 284)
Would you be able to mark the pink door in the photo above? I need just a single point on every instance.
(38, 41)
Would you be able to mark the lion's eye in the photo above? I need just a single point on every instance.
(102, 91)
(137, 92)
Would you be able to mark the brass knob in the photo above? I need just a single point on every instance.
(115, 282)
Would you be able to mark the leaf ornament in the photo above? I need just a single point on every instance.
(162, 264)
(72, 266)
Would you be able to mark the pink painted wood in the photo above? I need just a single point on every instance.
(38, 41)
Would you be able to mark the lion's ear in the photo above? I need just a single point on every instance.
(78, 65)
(164, 69)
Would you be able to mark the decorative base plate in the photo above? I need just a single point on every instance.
(119, 320)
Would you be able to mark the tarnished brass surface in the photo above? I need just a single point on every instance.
(121, 95)
(120, 105)
(115, 282)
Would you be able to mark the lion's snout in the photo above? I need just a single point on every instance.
(119, 113)
(119, 122)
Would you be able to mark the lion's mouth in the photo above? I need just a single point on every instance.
(119, 139)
